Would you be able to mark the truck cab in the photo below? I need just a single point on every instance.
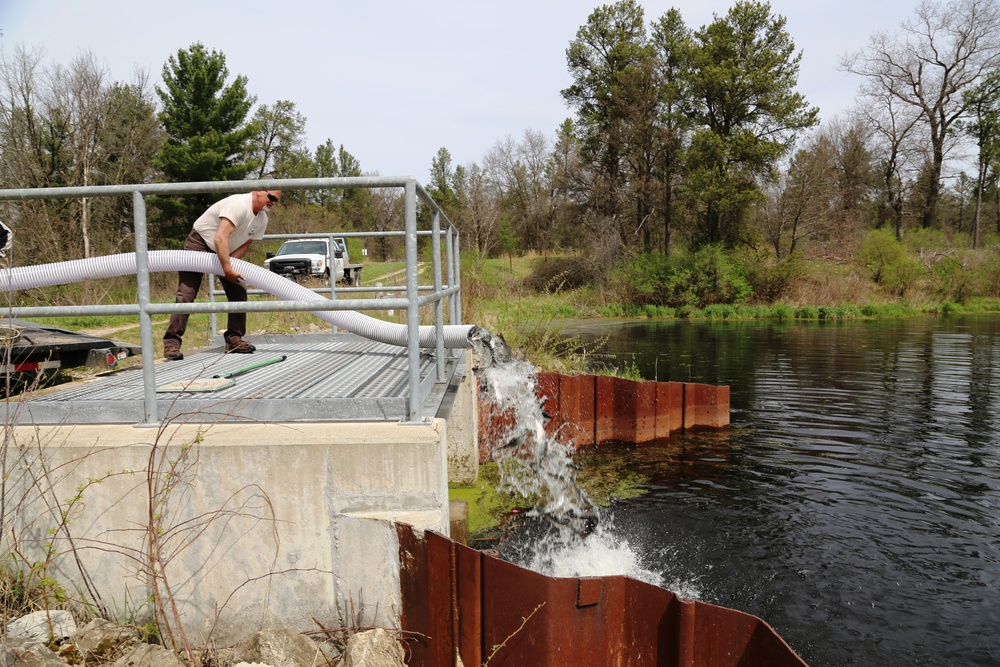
(300, 258)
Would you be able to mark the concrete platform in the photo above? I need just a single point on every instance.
(275, 501)
(324, 378)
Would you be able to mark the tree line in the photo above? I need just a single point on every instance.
(680, 138)
(65, 126)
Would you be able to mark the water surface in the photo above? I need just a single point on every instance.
(853, 504)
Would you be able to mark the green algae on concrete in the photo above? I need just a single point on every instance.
(602, 477)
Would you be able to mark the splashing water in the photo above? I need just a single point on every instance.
(533, 464)
(568, 536)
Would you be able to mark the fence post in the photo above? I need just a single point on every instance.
(439, 300)
(413, 296)
(145, 320)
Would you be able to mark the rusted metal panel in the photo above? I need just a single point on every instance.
(469, 599)
(547, 392)
(604, 401)
(506, 616)
(588, 591)
(722, 410)
(588, 409)
(414, 581)
(669, 408)
(623, 422)
(705, 406)
(426, 583)
(645, 412)
(534, 620)
(576, 402)
(495, 425)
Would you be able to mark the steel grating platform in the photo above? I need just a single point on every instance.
(324, 377)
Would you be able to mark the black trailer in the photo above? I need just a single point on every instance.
(29, 347)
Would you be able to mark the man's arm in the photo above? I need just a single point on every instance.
(226, 228)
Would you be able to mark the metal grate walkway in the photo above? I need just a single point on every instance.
(324, 377)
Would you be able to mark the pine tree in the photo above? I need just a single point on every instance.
(208, 138)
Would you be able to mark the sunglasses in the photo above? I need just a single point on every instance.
(272, 197)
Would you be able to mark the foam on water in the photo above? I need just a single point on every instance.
(570, 537)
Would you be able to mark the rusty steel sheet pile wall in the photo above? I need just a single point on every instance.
(457, 599)
(588, 410)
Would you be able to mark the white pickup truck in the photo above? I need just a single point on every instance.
(299, 258)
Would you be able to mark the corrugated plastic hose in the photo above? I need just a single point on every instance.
(59, 273)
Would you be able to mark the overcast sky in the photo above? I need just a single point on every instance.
(394, 81)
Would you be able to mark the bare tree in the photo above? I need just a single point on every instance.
(71, 126)
(80, 95)
(479, 214)
(387, 204)
(519, 172)
(939, 53)
(893, 125)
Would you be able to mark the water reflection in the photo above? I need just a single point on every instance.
(853, 503)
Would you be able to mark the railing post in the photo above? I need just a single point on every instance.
(145, 320)
(439, 301)
(413, 295)
(213, 320)
(331, 261)
(458, 279)
(450, 261)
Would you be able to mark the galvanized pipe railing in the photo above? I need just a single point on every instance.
(145, 308)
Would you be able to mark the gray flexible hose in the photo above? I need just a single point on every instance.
(456, 336)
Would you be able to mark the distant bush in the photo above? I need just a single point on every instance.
(771, 280)
(887, 261)
(696, 279)
(807, 313)
(556, 274)
(886, 310)
(958, 278)
(782, 311)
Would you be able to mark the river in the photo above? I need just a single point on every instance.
(854, 504)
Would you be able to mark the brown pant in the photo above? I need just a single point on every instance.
(187, 291)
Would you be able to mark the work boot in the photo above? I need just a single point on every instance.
(172, 352)
(239, 346)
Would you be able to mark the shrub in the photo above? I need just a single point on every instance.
(697, 279)
(771, 280)
(887, 261)
(561, 273)
(957, 279)
(782, 311)
(807, 313)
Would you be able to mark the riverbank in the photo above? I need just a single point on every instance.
(509, 296)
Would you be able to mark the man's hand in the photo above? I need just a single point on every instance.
(234, 276)
(226, 228)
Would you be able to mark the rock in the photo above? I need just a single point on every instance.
(149, 655)
(29, 654)
(373, 648)
(36, 626)
(279, 648)
(102, 633)
(102, 641)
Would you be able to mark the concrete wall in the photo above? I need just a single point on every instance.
(463, 431)
(259, 524)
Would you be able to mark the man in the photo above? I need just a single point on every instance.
(227, 228)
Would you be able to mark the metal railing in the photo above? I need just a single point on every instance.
(145, 308)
